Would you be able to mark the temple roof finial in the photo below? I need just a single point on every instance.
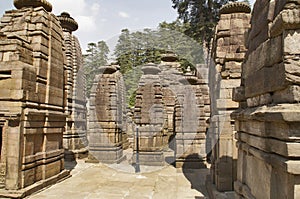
(67, 22)
(33, 4)
(235, 7)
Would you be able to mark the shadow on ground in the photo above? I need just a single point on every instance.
(70, 160)
(196, 177)
(70, 165)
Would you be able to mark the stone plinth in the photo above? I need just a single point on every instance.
(224, 75)
(268, 121)
(32, 117)
(75, 135)
(106, 117)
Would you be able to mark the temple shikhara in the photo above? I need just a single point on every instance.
(234, 118)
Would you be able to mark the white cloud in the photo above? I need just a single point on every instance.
(86, 23)
(95, 8)
(123, 14)
(75, 8)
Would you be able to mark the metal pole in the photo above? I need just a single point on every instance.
(137, 163)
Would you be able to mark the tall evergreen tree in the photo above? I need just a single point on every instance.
(202, 16)
(137, 48)
(97, 55)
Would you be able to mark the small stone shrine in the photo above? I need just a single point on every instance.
(149, 117)
(75, 135)
(32, 117)
(107, 104)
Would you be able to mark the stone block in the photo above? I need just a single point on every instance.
(238, 94)
(226, 104)
(224, 22)
(263, 81)
(291, 94)
(267, 54)
(270, 145)
(230, 83)
(52, 169)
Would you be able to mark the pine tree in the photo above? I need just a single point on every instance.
(202, 16)
(97, 55)
(138, 48)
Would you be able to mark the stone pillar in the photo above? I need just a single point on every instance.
(225, 73)
(268, 122)
(32, 115)
(149, 117)
(74, 139)
(106, 117)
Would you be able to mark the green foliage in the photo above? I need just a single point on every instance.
(135, 49)
(201, 15)
(138, 48)
(97, 55)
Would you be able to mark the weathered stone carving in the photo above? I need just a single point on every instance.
(268, 121)
(75, 141)
(32, 115)
(19, 4)
(237, 7)
(170, 113)
(149, 116)
(190, 124)
(67, 23)
(106, 116)
(225, 74)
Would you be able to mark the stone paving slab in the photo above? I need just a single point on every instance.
(99, 181)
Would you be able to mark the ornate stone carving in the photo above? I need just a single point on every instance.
(236, 7)
(32, 116)
(67, 22)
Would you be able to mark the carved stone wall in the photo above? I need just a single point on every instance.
(190, 125)
(170, 111)
(149, 116)
(187, 111)
(75, 135)
(268, 122)
(32, 115)
(225, 73)
(106, 116)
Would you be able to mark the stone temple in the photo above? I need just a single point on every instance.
(236, 116)
(33, 98)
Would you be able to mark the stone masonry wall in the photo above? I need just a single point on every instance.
(32, 99)
(268, 122)
(225, 74)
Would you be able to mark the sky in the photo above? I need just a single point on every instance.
(104, 19)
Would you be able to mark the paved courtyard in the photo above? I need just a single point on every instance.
(102, 181)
